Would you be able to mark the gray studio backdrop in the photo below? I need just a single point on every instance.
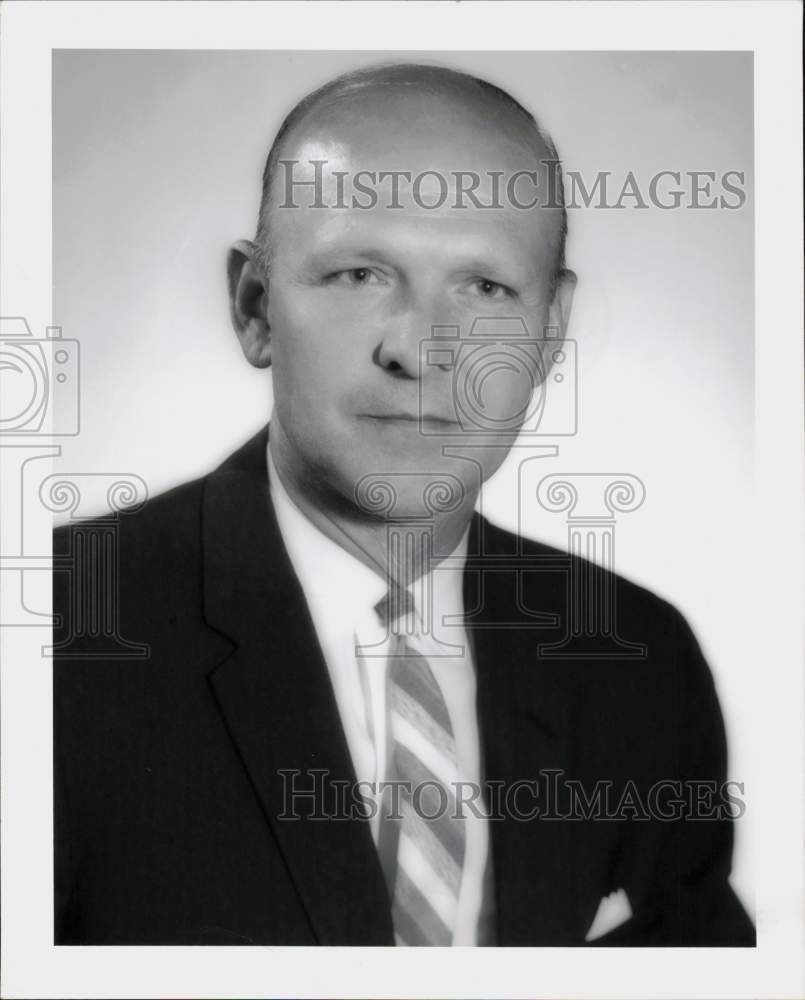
(157, 157)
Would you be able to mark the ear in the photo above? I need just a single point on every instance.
(248, 302)
(559, 309)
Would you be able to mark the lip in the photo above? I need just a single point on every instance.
(425, 419)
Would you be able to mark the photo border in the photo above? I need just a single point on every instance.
(31, 965)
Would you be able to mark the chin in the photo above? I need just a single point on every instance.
(423, 485)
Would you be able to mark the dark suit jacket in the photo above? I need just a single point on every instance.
(168, 793)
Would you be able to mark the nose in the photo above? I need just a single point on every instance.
(403, 333)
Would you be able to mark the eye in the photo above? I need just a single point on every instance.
(489, 289)
(354, 277)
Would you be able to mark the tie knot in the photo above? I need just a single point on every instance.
(397, 603)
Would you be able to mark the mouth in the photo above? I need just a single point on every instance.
(412, 420)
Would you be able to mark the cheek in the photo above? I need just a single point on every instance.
(506, 393)
(298, 335)
(315, 356)
(493, 387)
(315, 328)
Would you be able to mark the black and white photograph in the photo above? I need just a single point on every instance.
(402, 483)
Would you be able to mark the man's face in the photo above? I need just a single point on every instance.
(355, 293)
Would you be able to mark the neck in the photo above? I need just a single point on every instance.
(399, 551)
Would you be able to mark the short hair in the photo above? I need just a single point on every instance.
(438, 78)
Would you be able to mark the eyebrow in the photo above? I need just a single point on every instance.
(510, 268)
(321, 254)
(485, 265)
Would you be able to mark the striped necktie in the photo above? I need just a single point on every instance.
(432, 839)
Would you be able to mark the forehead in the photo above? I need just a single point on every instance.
(415, 129)
(421, 152)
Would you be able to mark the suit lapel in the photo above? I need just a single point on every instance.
(526, 720)
(275, 695)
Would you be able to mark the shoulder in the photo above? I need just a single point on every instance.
(146, 564)
(629, 657)
(163, 528)
(555, 580)
(494, 540)
(168, 527)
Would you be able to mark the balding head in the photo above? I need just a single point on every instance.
(417, 118)
(402, 205)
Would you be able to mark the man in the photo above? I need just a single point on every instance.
(347, 729)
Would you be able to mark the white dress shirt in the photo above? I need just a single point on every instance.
(342, 593)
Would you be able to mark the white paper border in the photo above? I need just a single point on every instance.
(31, 966)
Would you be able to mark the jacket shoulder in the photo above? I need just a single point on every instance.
(168, 519)
(141, 567)
(172, 519)
(639, 608)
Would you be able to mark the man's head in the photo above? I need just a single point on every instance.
(397, 200)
